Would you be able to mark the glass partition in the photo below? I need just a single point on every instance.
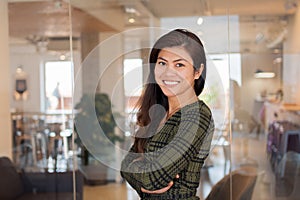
(41, 101)
(264, 110)
(77, 70)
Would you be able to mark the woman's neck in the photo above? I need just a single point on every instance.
(176, 103)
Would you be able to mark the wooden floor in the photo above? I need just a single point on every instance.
(244, 148)
(111, 191)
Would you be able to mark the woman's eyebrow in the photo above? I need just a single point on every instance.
(161, 58)
(177, 60)
(180, 59)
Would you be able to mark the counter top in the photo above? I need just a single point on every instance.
(291, 107)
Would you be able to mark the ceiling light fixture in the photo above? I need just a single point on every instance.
(262, 74)
(131, 10)
(277, 60)
(132, 13)
(62, 57)
(200, 21)
(131, 20)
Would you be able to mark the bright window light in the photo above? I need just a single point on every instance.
(58, 85)
(133, 77)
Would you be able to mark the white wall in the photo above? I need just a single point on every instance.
(33, 63)
(111, 67)
(30, 61)
(251, 86)
(291, 60)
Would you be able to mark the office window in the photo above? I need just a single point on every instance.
(235, 68)
(133, 81)
(58, 86)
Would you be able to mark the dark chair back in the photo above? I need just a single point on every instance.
(10, 181)
(238, 185)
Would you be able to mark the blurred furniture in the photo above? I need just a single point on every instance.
(38, 186)
(288, 177)
(55, 144)
(280, 112)
(237, 185)
(290, 143)
(38, 136)
(282, 137)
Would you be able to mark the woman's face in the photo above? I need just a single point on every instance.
(174, 72)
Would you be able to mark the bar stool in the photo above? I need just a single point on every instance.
(284, 145)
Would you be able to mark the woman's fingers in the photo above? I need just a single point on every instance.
(138, 159)
(158, 191)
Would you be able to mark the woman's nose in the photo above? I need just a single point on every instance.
(169, 70)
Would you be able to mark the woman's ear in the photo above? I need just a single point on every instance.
(199, 71)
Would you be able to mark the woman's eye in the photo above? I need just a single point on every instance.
(161, 63)
(179, 65)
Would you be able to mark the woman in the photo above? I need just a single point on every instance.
(176, 127)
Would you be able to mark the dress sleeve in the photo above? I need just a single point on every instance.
(158, 168)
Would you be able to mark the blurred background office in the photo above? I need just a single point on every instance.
(72, 71)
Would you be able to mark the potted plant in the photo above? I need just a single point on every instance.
(95, 125)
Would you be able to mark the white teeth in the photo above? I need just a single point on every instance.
(171, 82)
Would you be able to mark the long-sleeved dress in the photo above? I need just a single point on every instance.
(179, 147)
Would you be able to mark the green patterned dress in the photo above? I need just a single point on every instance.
(179, 147)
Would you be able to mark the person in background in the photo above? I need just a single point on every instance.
(175, 126)
(57, 94)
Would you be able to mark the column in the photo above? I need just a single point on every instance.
(90, 62)
(111, 83)
(5, 123)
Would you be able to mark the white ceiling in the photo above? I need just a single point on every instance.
(260, 21)
(170, 8)
(146, 9)
(256, 17)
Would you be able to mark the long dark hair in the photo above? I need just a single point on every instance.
(153, 95)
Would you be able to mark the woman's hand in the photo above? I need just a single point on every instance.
(138, 159)
(160, 191)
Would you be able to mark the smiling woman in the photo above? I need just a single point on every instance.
(176, 127)
(175, 73)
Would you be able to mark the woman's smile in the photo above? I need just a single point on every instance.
(171, 83)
